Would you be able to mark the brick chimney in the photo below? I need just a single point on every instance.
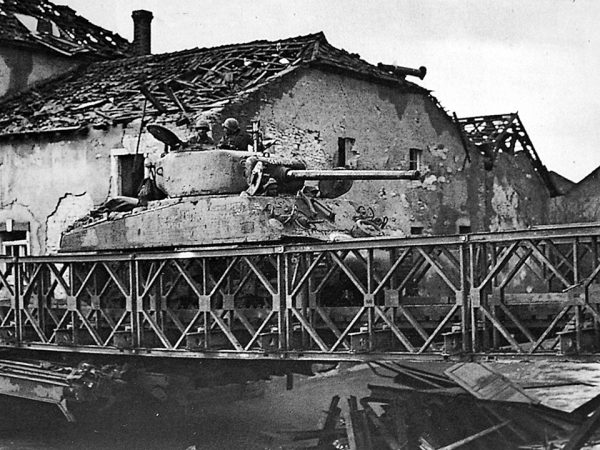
(141, 31)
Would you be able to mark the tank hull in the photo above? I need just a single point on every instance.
(207, 220)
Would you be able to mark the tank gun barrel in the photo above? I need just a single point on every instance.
(295, 174)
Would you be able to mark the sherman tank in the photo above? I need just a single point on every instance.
(199, 195)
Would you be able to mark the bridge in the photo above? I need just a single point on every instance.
(530, 292)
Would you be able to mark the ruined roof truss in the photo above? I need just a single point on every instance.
(505, 133)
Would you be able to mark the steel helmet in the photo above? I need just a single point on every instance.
(231, 124)
(202, 124)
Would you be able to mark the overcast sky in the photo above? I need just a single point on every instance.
(538, 57)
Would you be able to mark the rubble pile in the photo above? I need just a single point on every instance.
(469, 406)
(61, 385)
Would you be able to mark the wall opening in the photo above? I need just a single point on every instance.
(463, 225)
(131, 174)
(127, 172)
(14, 237)
(415, 156)
(464, 229)
(345, 145)
(416, 231)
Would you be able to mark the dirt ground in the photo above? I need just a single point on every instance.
(249, 418)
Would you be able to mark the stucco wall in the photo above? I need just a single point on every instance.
(20, 68)
(35, 178)
(510, 196)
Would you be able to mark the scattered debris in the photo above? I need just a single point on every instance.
(47, 382)
(470, 407)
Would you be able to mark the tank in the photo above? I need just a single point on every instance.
(198, 195)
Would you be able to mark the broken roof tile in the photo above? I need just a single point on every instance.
(42, 24)
(196, 80)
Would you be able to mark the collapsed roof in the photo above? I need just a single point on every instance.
(57, 28)
(505, 133)
(197, 80)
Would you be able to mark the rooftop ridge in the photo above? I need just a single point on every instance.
(312, 37)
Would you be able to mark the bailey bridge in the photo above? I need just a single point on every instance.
(530, 292)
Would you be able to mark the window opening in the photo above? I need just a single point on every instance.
(14, 238)
(415, 156)
(416, 230)
(345, 145)
(131, 174)
(464, 229)
(14, 243)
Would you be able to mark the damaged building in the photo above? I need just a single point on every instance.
(142, 277)
(502, 138)
(71, 143)
(40, 40)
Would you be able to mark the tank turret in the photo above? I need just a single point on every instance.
(198, 195)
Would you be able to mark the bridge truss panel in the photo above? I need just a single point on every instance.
(521, 292)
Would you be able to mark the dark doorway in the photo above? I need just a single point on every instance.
(132, 174)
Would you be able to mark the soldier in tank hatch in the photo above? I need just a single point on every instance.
(202, 128)
(235, 138)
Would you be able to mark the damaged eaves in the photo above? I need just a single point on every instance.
(173, 84)
(504, 133)
(51, 132)
(57, 28)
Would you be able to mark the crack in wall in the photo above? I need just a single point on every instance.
(69, 207)
(9, 204)
(60, 199)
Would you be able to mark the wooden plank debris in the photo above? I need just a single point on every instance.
(152, 98)
(358, 426)
(331, 419)
(388, 437)
(474, 437)
(478, 409)
(167, 88)
(484, 383)
(584, 432)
